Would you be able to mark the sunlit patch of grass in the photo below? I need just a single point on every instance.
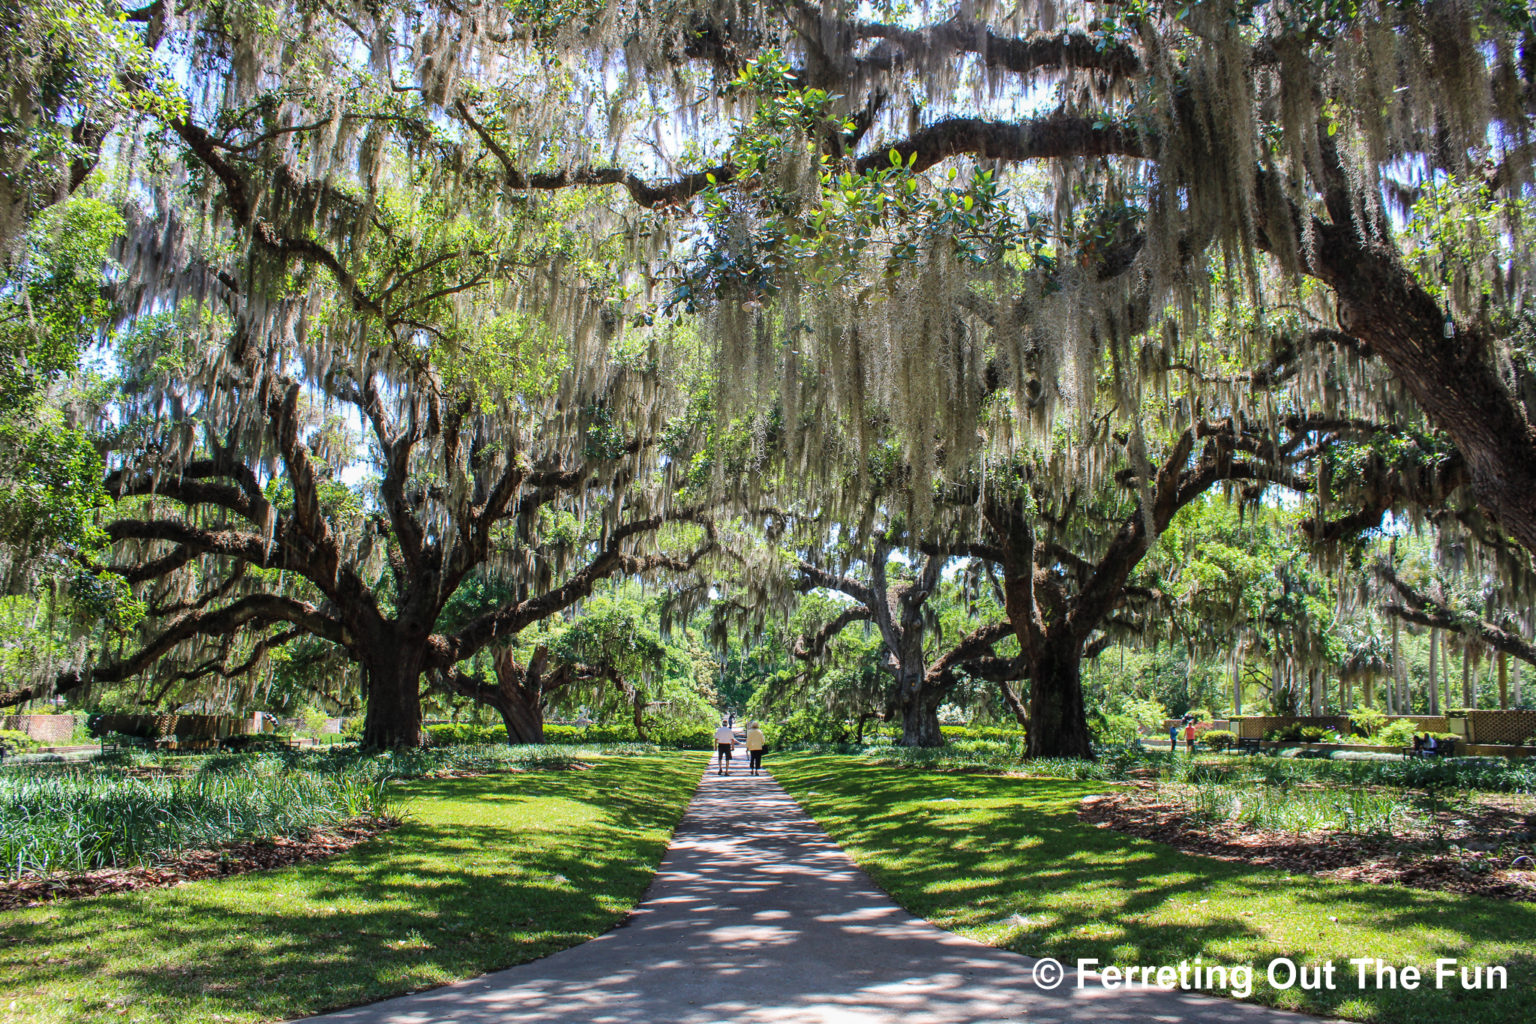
(487, 872)
(1005, 860)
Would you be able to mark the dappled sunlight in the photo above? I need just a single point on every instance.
(1008, 862)
(471, 884)
(757, 916)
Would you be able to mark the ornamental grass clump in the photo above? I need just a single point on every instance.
(91, 818)
(1284, 809)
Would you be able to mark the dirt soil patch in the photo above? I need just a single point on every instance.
(1488, 849)
(235, 859)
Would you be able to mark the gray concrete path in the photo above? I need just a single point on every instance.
(757, 916)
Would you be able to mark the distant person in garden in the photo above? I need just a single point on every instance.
(756, 742)
(1173, 737)
(725, 742)
(1189, 737)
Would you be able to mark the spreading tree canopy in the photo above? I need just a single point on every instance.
(416, 291)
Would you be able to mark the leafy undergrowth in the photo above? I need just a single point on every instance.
(1005, 860)
(1117, 764)
(487, 872)
(432, 762)
(79, 819)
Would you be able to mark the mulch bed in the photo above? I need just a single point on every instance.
(235, 859)
(1485, 850)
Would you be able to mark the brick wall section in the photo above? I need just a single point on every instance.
(1178, 723)
(1258, 725)
(49, 730)
(186, 727)
(1486, 726)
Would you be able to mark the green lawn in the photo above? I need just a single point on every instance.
(1005, 861)
(488, 872)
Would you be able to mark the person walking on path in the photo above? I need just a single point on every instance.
(725, 742)
(1173, 739)
(1189, 738)
(756, 741)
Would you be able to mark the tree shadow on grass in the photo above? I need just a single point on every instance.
(489, 872)
(1007, 860)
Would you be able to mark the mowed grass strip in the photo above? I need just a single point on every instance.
(1005, 861)
(488, 872)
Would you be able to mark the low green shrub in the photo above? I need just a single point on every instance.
(445, 734)
(17, 742)
(962, 754)
(675, 736)
(1219, 739)
(1110, 728)
(1367, 721)
(1401, 734)
(589, 734)
(1118, 764)
(80, 735)
(1394, 734)
(1005, 734)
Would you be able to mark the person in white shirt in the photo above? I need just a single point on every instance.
(725, 742)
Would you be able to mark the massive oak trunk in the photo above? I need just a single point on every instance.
(522, 715)
(1058, 721)
(919, 703)
(392, 674)
(518, 695)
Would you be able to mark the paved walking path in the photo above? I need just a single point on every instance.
(757, 916)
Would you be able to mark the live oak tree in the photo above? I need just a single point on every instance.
(1467, 602)
(1064, 559)
(898, 600)
(289, 283)
(221, 549)
(474, 437)
(610, 657)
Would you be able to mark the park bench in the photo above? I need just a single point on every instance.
(1248, 745)
(118, 741)
(1443, 748)
(257, 742)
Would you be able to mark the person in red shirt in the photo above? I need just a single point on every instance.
(1189, 738)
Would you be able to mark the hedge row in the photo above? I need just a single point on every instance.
(687, 738)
